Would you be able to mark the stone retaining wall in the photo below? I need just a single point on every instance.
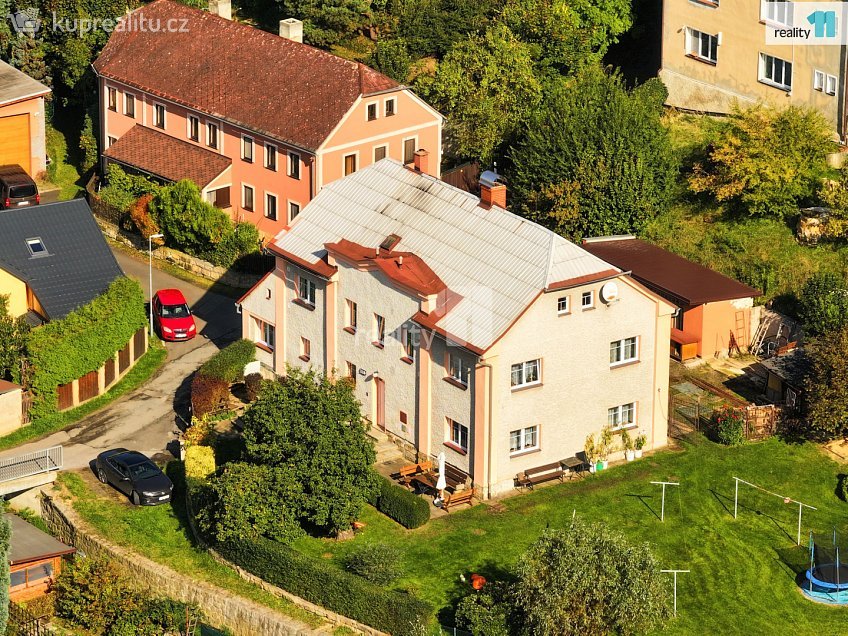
(220, 607)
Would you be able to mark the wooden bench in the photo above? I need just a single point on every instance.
(540, 474)
(409, 471)
(457, 498)
(455, 478)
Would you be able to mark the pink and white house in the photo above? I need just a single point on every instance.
(260, 121)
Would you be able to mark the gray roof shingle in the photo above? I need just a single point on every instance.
(29, 543)
(79, 264)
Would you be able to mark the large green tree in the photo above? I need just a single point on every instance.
(826, 386)
(313, 425)
(13, 337)
(766, 161)
(823, 304)
(595, 159)
(584, 579)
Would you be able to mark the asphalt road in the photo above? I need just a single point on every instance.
(148, 418)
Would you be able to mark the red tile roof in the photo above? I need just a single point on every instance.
(172, 159)
(290, 91)
(669, 275)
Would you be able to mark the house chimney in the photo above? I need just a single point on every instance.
(223, 8)
(400, 261)
(493, 194)
(422, 161)
(291, 29)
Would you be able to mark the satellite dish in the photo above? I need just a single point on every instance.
(609, 292)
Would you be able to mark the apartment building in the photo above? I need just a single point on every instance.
(465, 328)
(714, 53)
(261, 122)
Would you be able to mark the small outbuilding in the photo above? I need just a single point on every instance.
(785, 376)
(35, 560)
(714, 312)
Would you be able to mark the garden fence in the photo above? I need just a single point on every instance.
(22, 622)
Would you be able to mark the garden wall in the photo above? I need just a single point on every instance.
(243, 617)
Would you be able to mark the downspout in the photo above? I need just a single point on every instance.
(490, 441)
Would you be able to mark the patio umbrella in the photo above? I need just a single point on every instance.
(441, 483)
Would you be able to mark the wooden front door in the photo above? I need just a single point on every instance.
(380, 416)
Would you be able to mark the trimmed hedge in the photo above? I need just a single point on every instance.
(63, 350)
(405, 507)
(208, 395)
(228, 364)
(322, 583)
(199, 464)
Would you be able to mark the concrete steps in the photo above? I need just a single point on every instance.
(387, 451)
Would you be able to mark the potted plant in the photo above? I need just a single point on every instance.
(639, 444)
(627, 442)
(590, 452)
(604, 447)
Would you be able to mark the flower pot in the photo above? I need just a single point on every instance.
(592, 468)
(638, 453)
(630, 455)
(602, 464)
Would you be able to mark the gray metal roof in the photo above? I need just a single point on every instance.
(29, 543)
(497, 261)
(15, 85)
(78, 265)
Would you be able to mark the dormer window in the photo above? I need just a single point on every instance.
(36, 247)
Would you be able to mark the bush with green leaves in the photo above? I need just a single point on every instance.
(199, 465)
(405, 507)
(729, 426)
(228, 364)
(122, 189)
(375, 562)
(66, 349)
(13, 338)
(391, 58)
(248, 501)
(825, 397)
(326, 585)
(5, 542)
(823, 303)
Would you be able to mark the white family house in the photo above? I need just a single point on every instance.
(466, 328)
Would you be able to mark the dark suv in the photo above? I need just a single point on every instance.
(17, 189)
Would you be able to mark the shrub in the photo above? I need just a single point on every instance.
(144, 223)
(208, 395)
(408, 509)
(253, 384)
(228, 364)
(238, 240)
(199, 464)
(375, 562)
(93, 594)
(5, 539)
(322, 583)
(729, 426)
(200, 431)
(122, 189)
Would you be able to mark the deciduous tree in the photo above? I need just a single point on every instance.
(826, 394)
(823, 304)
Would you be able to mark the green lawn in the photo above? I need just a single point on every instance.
(161, 534)
(135, 377)
(739, 581)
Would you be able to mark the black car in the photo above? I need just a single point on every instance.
(17, 188)
(134, 475)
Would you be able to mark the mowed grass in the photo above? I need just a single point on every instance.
(741, 580)
(161, 534)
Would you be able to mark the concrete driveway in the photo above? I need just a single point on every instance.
(148, 418)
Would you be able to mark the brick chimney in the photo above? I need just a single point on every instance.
(493, 194)
(422, 161)
(223, 8)
(291, 29)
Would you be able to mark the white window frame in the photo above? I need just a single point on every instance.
(464, 432)
(289, 210)
(268, 196)
(616, 414)
(355, 155)
(189, 119)
(385, 106)
(127, 97)
(523, 369)
(521, 434)
(591, 296)
(208, 126)
(247, 140)
(376, 106)
(763, 67)
(244, 187)
(818, 80)
(403, 150)
(307, 285)
(262, 336)
(621, 347)
(464, 369)
(771, 16)
(830, 84)
(164, 125)
(293, 160)
(276, 156)
(379, 330)
(563, 305)
(695, 44)
(385, 148)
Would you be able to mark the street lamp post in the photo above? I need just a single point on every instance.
(150, 272)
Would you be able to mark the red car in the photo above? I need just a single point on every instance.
(171, 315)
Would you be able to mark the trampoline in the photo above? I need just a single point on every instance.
(826, 580)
